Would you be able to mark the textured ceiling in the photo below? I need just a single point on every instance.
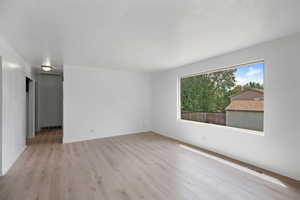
(138, 34)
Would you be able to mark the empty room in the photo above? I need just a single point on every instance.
(153, 100)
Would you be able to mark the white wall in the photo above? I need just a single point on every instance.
(13, 131)
(1, 117)
(101, 103)
(278, 150)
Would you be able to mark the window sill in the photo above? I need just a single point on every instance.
(258, 133)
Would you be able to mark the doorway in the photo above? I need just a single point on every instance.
(49, 109)
(48, 103)
(30, 108)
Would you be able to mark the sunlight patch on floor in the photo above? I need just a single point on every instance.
(236, 166)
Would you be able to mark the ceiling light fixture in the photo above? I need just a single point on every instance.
(46, 68)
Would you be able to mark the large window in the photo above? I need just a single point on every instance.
(230, 97)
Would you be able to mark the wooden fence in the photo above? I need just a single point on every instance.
(212, 118)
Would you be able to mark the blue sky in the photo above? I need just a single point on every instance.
(250, 73)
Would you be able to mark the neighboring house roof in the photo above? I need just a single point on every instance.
(246, 105)
(247, 90)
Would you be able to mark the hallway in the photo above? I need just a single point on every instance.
(46, 137)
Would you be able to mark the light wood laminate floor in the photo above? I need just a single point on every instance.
(138, 166)
(46, 136)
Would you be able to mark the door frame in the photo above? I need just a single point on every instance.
(30, 106)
